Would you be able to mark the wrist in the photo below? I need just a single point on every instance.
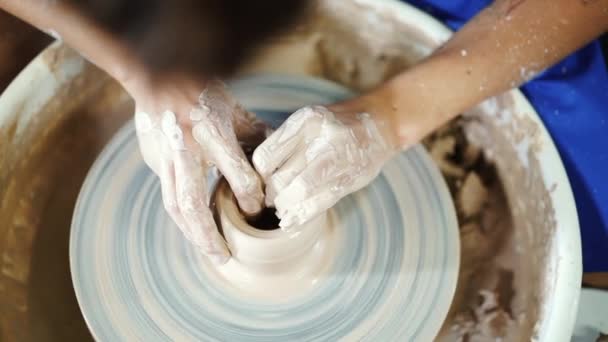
(429, 95)
(373, 105)
(154, 94)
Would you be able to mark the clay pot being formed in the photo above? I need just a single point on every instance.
(271, 263)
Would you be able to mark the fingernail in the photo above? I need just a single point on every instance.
(269, 201)
(259, 167)
(251, 207)
(259, 162)
(270, 196)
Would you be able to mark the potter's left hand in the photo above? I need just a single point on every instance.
(183, 133)
(317, 157)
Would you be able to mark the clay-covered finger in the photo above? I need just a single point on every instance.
(284, 176)
(243, 179)
(322, 169)
(167, 186)
(304, 211)
(281, 144)
(319, 199)
(250, 131)
(191, 193)
(307, 196)
(223, 150)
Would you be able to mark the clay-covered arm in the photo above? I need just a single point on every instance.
(505, 45)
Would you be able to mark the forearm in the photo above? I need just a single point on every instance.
(100, 47)
(193, 39)
(505, 45)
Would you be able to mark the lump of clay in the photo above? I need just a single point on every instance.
(472, 196)
(470, 155)
(440, 151)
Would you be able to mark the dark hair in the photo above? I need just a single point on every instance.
(209, 37)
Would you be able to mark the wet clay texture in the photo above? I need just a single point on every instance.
(483, 308)
(43, 162)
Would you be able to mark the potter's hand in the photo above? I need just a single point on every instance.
(182, 133)
(317, 157)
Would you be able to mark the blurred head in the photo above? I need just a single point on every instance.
(207, 37)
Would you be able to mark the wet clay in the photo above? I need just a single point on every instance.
(290, 262)
(42, 166)
(483, 308)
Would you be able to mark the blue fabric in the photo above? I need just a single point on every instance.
(572, 100)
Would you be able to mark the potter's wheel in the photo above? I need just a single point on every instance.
(391, 277)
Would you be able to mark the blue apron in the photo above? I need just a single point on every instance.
(572, 100)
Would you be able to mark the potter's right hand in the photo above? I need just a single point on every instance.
(183, 131)
(317, 157)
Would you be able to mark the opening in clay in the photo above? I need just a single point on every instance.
(266, 220)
